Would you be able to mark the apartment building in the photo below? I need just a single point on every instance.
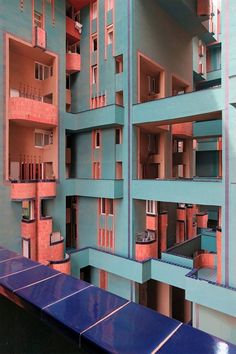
(117, 161)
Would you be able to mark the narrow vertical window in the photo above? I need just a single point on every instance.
(94, 10)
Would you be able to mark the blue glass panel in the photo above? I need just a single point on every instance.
(134, 329)
(188, 340)
(27, 277)
(51, 290)
(15, 265)
(84, 309)
(5, 254)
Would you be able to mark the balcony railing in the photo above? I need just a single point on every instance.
(25, 109)
(72, 62)
(21, 190)
(71, 29)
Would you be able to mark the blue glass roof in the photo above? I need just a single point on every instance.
(95, 317)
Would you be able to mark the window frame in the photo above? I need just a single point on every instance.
(151, 207)
(94, 74)
(94, 10)
(44, 133)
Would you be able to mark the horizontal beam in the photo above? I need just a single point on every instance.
(177, 107)
(181, 191)
(111, 115)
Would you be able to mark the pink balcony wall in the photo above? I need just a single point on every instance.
(73, 62)
(64, 266)
(146, 251)
(25, 109)
(71, 31)
(21, 191)
(152, 222)
(46, 189)
(57, 251)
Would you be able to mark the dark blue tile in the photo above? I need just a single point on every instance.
(51, 290)
(188, 340)
(5, 254)
(27, 277)
(133, 329)
(15, 265)
(82, 310)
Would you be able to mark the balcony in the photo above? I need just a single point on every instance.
(71, 31)
(63, 265)
(28, 110)
(73, 62)
(40, 39)
(181, 106)
(207, 191)
(46, 189)
(107, 116)
(96, 188)
(21, 190)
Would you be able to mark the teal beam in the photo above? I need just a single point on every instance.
(207, 128)
(94, 188)
(193, 192)
(181, 106)
(215, 297)
(103, 117)
(214, 75)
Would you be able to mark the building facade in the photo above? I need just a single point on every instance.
(118, 148)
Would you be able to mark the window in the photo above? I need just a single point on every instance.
(42, 138)
(38, 71)
(119, 98)
(73, 48)
(152, 85)
(38, 19)
(103, 279)
(119, 173)
(118, 136)
(97, 139)
(68, 82)
(106, 206)
(110, 206)
(119, 64)
(42, 72)
(96, 170)
(110, 35)
(26, 247)
(151, 207)
(94, 74)
(103, 206)
(109, 5)
(94, 43)
(28, 210)
(94, 10)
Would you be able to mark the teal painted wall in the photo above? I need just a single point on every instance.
(87, 222)
(119, 286)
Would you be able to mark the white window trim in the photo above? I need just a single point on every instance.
(50, 71)
(151, 207)
(94, 10)
(94, 76)
(44, 132)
